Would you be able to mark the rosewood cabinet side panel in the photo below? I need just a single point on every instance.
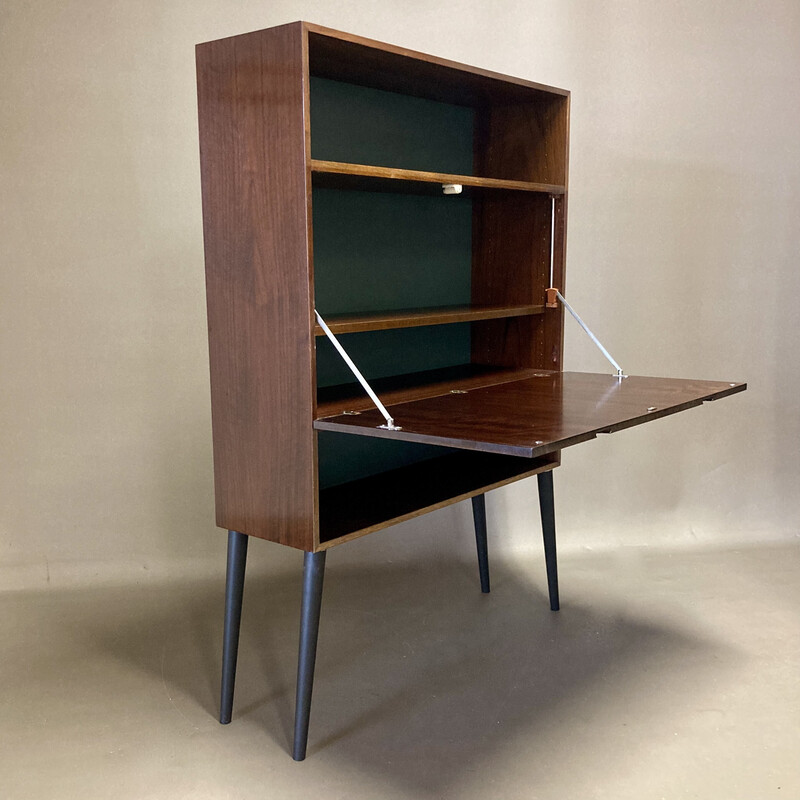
(512, 233)
(551, 338)
(550, 334)
(255, 218)
(511, 263)
(524, 141)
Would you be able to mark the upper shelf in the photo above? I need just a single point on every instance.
(417, 317)
(339, 175)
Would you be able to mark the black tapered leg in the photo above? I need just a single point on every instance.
(234, 589)
(313, 573)
(479, 515)
(547, 508)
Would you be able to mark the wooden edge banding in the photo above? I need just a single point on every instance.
(396, 174)
(417, 318)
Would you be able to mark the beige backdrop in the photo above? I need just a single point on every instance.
(682, 254)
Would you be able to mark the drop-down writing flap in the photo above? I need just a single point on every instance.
(534, 416)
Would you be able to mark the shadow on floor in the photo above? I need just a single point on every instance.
(420, 677)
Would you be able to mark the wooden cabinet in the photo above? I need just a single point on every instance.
(420, 207)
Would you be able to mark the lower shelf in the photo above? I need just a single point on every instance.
(354, 509)
(333, 400)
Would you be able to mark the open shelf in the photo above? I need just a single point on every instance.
(345, 57)
(334, 400)
(339, 175)
(417, 317)
(359, 507)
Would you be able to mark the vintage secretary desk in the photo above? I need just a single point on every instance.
(419, 206)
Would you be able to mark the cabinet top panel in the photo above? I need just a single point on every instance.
(347, 57)
(537, 415)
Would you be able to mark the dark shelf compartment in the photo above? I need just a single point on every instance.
(360, 507)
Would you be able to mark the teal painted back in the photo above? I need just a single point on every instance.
(379, 354)
(376, 251)
(359, 125)
(381, 251)
(344, 458)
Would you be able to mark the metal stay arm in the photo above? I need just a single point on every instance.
(620, 374)
(389, 426)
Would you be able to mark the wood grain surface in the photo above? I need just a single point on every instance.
(537, 415)
(418, 317)
(525, 141)
(344, 56)
(333, 400)
(251, 101)
(335, 174)
(510, 262)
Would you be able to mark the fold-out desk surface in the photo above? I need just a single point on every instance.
(534, 416)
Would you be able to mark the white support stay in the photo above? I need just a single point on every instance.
(620, 374)
(389, 426)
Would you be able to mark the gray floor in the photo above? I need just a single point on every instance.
(665, 675)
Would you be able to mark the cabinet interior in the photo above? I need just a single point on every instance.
(427, 292)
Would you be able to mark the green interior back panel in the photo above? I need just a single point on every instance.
(381, 251)
(359, 125)
(379, 354)
(344, 458)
